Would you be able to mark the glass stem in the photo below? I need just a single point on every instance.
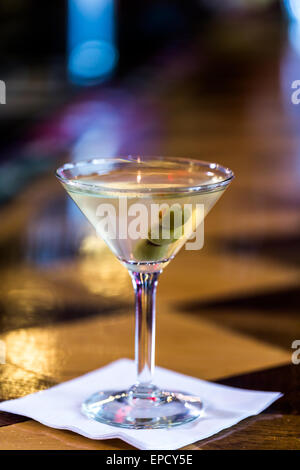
(145, 291)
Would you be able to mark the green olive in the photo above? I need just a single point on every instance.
(173, 222)
(174, 235)
(144, 250)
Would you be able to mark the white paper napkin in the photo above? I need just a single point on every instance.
(59, 406)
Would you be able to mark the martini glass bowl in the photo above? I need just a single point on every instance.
(172, 184)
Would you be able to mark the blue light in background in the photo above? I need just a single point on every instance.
(91, 40)
(294, 35)
(293, 10)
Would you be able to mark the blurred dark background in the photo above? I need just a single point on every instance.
(51, 51)
(205, 79)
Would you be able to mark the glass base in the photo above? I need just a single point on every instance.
(157, 409)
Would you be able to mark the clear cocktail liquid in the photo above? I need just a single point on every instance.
(116, 194)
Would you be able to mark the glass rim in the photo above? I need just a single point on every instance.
(228, 174)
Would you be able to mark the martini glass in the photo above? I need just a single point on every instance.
(182, 191)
